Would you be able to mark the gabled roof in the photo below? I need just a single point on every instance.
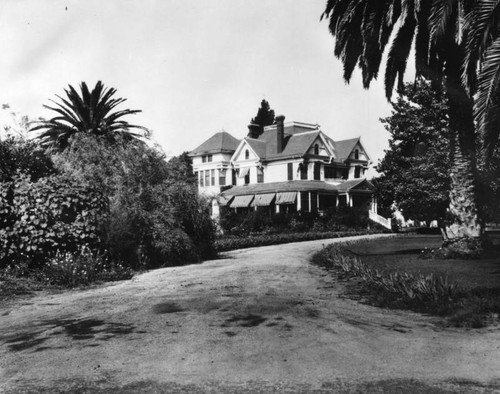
(219, 142)
(361, 183)
(344, 148)
(296, 145)
(258, 146)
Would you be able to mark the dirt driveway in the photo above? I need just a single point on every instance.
(258, 320)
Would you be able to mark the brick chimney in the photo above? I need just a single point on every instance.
(280, 133)
(254, 130)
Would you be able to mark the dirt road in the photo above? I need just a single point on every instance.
(258, 320)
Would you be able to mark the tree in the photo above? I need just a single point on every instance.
(88, 112)
(264, 117)
(20, 155)
(415, 169)
(180, 169)
(363, 28)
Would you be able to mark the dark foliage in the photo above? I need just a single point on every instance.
(55, 213)
(264, 117)
(415, 169)
(21, 156)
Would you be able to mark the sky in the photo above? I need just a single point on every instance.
(193, 67)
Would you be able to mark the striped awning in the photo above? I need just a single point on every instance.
(243, 172)
(263, 200)
(224, 200)
(286, 198)
(241, 201)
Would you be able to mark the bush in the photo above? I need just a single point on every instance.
(71, 269)
(54, 213)
(233, 242)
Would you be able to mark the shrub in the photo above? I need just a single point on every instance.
(81, 267)
(53, 213)
(232, 242)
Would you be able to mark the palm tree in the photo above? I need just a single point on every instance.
(481, 68)
(87, 112)
(363, 28)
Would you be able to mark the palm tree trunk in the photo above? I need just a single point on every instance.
(463, 221)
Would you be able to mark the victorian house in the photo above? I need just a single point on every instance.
(289, 167)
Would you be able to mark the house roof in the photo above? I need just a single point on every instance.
(295, 144)
(219, 142)
(344, 148)
(258, 146)
(297, 186)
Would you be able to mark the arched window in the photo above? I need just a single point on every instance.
(316, 149)
(247, 154)
(356, 154)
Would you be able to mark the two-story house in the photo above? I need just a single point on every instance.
(289, 167)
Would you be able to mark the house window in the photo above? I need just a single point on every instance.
(303, 170)
(356, 154)
(233, 177)
(206, 158)
(247, 154)
(357, 172)
(212, 177)
(247, 178)
(207, 178)
(304, 201)
(290, 171)
(314, 201)
(222, 177)
(316, 149)
(329, 172)
(345, 173)
(200, 179)
(260, 175)
(317, 171)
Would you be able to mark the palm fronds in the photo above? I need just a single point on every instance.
(87, 111)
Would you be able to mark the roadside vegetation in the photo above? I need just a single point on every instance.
(405, 273)
(89, 200)
(260, 228)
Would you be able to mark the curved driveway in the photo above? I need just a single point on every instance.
(261, 319)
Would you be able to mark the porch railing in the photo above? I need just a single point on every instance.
(380, 220)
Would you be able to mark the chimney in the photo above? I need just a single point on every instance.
(254, 130)
(280, 133)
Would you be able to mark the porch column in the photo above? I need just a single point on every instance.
(309, 199)
(277, 208)
(349, 200)
(299, 201)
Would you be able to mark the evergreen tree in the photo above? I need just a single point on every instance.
(415, 169)
(264, 117)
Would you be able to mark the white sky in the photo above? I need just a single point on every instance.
(192, 67)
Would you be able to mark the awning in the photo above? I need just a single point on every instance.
(286, 198)
(241, 201)
(243, 172)
(263, 200)
(224, 200)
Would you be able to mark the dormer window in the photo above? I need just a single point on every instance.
(316, 149)
(356, 154)
(247, 154)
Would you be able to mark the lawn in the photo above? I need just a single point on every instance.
(403, 273)
(405, 254)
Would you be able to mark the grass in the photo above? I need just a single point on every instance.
(395, 273)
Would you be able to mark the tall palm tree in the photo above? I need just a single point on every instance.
(481, 68)
(363, 29)
(89, 112)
